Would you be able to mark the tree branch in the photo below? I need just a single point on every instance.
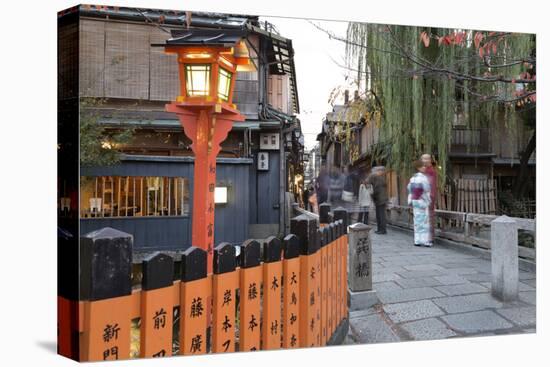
(452, 73)
(431, 67)
(338, 38)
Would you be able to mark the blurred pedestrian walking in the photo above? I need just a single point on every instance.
(336, 188)
(322, 184)
(380, 196)
(431, 173)
(365, 201)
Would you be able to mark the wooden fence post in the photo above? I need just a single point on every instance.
(333, 268)
(195, 291)
(326, 282)
(324, 210)
(291, 292)
(306, 229)
(67, 295)
(338, 267)
(157, 306)
(341, 219)
(316, 278)
(324, 236)
(105, 266)
(341, 214)
(345, 252)
(225, 281)
(67, 316)
(250, 285)
(272, 273)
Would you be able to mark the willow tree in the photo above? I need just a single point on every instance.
(425, 78)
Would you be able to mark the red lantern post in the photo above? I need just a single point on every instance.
(208, 61)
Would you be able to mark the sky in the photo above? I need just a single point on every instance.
(317, 73)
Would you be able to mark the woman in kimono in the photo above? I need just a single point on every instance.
(420, 199)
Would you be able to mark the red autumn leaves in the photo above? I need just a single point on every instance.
(456, 38)
(425, 39)
(459, 38)
(486, 44)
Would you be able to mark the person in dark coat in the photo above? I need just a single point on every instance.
(380, 196)
(322, 184)
(305, 197)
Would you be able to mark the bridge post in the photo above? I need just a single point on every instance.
(360, 258)
(360, 292)
(504, 259)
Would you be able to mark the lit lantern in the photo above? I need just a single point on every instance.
(208, 61)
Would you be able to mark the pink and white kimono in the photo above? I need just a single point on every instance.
(420, 199)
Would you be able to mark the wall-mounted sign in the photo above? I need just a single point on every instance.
(269, 141)
(263, 161)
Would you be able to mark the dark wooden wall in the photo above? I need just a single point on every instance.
(264, 192)
(166, 232)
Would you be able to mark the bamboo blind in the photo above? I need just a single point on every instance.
(164, 84)
(68, 60)
(92, 58)
(118, 61)
(127, 60)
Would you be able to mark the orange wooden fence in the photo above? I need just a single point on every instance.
(275, 294)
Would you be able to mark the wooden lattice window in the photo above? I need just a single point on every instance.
(133, 196)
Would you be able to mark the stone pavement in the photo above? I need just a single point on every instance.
(436, 293)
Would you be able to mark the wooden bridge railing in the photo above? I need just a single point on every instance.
(274, 294)
(463, 227)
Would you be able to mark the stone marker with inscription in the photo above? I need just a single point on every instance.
(360, 290)
(360, 258)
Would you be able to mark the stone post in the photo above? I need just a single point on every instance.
(360, 293)
(360, 258)
(504, 258)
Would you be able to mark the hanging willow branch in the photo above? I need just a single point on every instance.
(442, 82)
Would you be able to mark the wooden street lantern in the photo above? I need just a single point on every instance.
(208, 61)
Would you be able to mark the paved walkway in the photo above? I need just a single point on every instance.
(436, 293)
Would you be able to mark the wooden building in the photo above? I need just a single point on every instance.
(106, 54)
(482, 162)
